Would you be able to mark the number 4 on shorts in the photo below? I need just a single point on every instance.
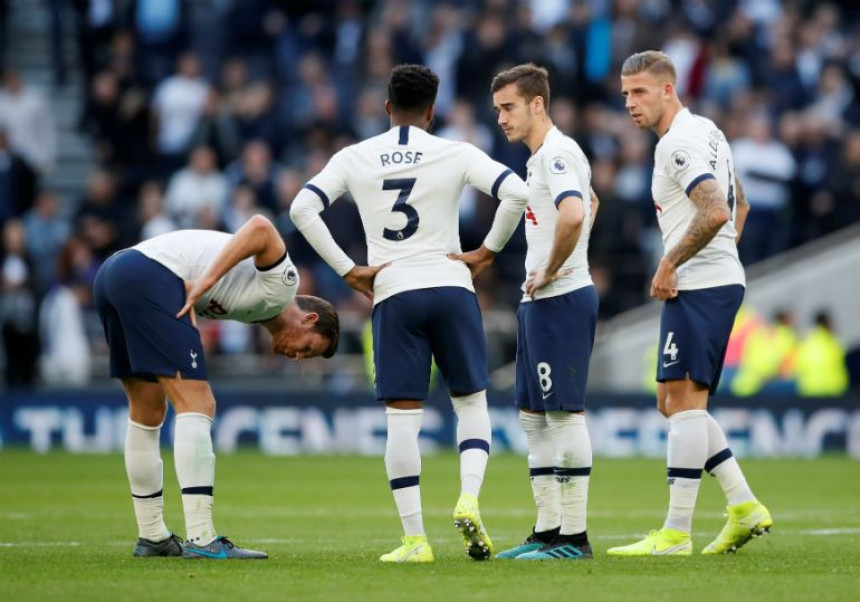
(670, 348)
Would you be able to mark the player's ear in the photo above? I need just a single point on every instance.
(388, 107)
(431, 113)
(310, 318)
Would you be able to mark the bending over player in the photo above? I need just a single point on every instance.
(146, 297)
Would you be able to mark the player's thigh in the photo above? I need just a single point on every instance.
(401, 351)
(558, 334)
(147, 296)
(525, 387)
(694, 332)
(118, 359)
(189, 395)
(147, 404)
(457, 339)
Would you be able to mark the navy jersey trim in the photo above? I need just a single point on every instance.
(494, 192)
(563, 195)
(323, 197)
(266, 268)
(701, 178)
(404, 135)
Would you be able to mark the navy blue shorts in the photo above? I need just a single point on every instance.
(137, 299)
(554, 341)
(413, 327)
(694, 333)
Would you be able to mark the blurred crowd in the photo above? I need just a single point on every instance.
(202, 113)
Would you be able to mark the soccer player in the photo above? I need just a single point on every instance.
(147, 297)
(406, 184)
(701, 210)
(557, 316)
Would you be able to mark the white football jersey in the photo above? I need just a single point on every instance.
(406, 184)
(693, 150)
(245, 293)
(557, 170)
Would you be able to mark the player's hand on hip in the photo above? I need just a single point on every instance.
(664, 284)
(361, 278)
(194, 289)
(537, 279)
(476, 260)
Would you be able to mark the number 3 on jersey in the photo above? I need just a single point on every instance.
(404, 185)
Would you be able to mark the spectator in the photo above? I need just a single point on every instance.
(256, 168)
(197, 186)
(765, 167)
(152, 217)
(66, 356)
(46, 232)
(17, 182)
(17, 307)
(821, 369)
(28, 121)
(178, 105)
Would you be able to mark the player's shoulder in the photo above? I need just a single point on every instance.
(560, 152)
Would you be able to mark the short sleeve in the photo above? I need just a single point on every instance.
(684, 163)
(560, 175)
(278, 283)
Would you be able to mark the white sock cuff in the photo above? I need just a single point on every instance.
(195, 415)
(144, 427)
(561, 418)
(531, 419)
(399, 412)
(688, 415)
(478, 399)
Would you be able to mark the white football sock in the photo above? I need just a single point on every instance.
(572, 467)
(723, 465)
(473, 439)
(195, 469)
(688, 450)
(146, 476)
(403, 466)
(546, 490)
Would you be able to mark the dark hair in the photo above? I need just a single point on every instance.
(530, 79)
(652, 61)
(412, 88)
(328, 323)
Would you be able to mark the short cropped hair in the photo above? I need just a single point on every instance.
(328, 323)
(412, 88)
(652, 61)
(531, 81)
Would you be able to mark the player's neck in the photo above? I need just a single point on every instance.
(411, 120)
(538, 133)
(669, 115)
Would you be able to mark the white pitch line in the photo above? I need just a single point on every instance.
(294, 540)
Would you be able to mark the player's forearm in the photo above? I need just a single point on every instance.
(514, 197)
(320, 238)
(712, 213)
(568, 227)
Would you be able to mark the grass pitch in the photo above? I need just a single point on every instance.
(67, 531)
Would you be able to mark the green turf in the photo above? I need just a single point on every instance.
(67, 530)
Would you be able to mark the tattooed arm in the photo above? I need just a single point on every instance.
(741, 209)
(712, 212)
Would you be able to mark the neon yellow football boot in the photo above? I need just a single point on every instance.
(746, 520)
(415, 548)
(467, 519)
(665, 542)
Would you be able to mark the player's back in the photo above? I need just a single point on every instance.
(407, 184)
(695, 149)
(245, 293)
